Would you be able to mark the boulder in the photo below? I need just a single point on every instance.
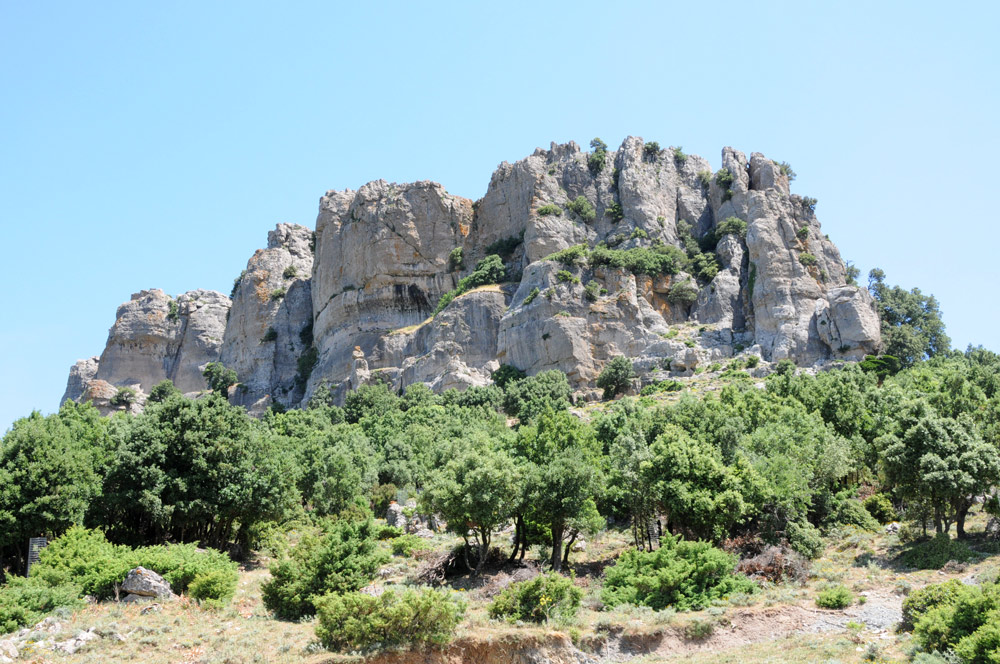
(146, 583)
(394, 516)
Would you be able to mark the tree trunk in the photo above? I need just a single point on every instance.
(557, 537)
(484, 547)
(568, 546)
(517, 539)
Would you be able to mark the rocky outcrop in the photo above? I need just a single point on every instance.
(141, 583)
(355, 301)
(270, 322)
(155, 337)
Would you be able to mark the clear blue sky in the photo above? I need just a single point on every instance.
(155, 144)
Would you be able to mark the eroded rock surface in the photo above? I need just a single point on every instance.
(354, 302)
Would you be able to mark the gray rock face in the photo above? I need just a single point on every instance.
(80, 374)
(270, 322)
(146, 583)
(382, 260)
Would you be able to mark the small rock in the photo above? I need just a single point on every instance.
(394, 516)
(150, 609)
(7, 649)
(580, 545)
(892, 527)
(424, 532)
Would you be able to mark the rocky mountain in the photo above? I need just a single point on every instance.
(657, 258)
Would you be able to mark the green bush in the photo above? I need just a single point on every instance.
(549, 209)
(965, 619)
(269, 336)
(389, 532)
(345, 559)
(881, 509)
(505, 247)
(805, 538)
(85, 558)
(661, 260)
(582, 208)
(489, 270)
(566, 276)
(651, 149)
(23, 602)
(570, 256)
(546, 597)
(505, 374)
(705, 178)
(162, 391)
(616, 376)
(807, 259)
(683, 574)
(919, 602)
(406, 544)
(638, 233)
(731, 226)
(215, 585)
(662, 386)
(598, 157)
(455, 259)
(530, 297)
(802, 233)
(290, 272)
(835, 597)
(684, 293)
(847, 511)
(125, 396)
(615, 211)
(278, 293)
(809, 203)
(786, 170)
(724, 178)
(679, 155)
(173, 311)
(752, 361)
(219, 378)
(935, 553)
(591, 290)
(356, 621)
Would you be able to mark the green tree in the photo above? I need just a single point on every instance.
(911, 321)
(616, 377)
(563, 476)
(941, 460)
(525, 399)
(473, 493)
(162, 391)
(194, 470)
(51, 470)
(219, 378)
(700, 495)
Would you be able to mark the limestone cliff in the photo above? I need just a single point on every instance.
(354, 302)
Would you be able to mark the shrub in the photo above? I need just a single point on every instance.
(775, 564)
(162, 391)
(615, 211)
(406, 544)
(786, 170)
(802, 233)
(850, 512)
(638, 233)
(805, 538)
(963, 619)
(919, 602)
(125, 396)
(455, 259)
(278, 293)
(590, 291)
(705, 178)
(935, 553)
(582, 208)
(290, 272)
(505, 374)
(85, 558)
(345, 559)
(356, 621)
(752, 361)
(269, 336)
(731, 226)
(570, 256)
(724, 178)
(549, 209)
(663, 385)
(173, 312)
(23, 602)
(566, 276)
(807, 259)
(506, 246)
(683, 574)
(236, 284)
(679, 155)
(546, 597)
(489, 270)
(684, 293)
(598, 157)
(651, 149)
(216, 586)
(881, 509)
(809, 203)
(835, 597)
(530, 297)
(389, 532)
(616, 376)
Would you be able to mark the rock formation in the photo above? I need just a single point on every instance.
(354, 302)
